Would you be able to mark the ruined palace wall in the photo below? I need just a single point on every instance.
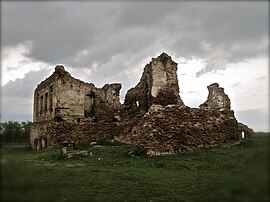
(83, 132)
(40, 135)
(64, 97)
(103, 103)
(164, 87)
(163, 130)
(60, 95)
(45, 100)
(216, 99)
(158, 85)
(70, 98)
(80, 100)
(55, 132)
(170, 129)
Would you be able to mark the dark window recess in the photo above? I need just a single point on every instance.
(41, 104)
(51, 99)
(37, 105)
(46, 102)
(90, 112)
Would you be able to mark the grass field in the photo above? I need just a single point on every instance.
(236, 173)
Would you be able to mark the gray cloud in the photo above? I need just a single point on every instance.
(112, 41)
(61, 30)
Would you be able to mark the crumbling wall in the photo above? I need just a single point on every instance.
(45, 100)
(55, 132)
(39, 135)
(248, 132)
(166, 130)
(106, 102)
(158, 85)
(55, 95)
(63, 97)
(70, 98)
(217, 99)
(112, 93)
(66, 100)
(161, 123)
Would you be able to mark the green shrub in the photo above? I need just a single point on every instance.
(138, 152)
(106, 142)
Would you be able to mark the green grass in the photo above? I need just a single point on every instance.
(236, 173)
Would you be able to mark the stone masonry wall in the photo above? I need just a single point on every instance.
(158, 85)
(165, 130)
(55, 132)
(217, 99)
(248, 132)
(63, 97)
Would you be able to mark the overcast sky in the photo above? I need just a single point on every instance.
(111, 41)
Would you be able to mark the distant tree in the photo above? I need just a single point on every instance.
(25, 131)
(13, 131)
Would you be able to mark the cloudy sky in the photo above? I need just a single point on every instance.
(111, 41)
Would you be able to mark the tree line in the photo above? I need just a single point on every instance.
(14, 131)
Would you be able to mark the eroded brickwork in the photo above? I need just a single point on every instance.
(244, 131)
(164, 130)
(153, 115)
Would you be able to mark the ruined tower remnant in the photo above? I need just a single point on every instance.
(153, 115)
(158, 85)
(217, 99)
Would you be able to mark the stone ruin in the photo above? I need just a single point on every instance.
(216, 99)
(153, 116)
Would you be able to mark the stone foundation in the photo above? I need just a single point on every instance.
(166, 130)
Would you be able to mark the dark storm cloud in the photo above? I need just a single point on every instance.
(60, 31)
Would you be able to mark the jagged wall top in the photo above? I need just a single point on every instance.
(217, 99)
(158, 85)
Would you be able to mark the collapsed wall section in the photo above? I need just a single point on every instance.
(166, 130)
